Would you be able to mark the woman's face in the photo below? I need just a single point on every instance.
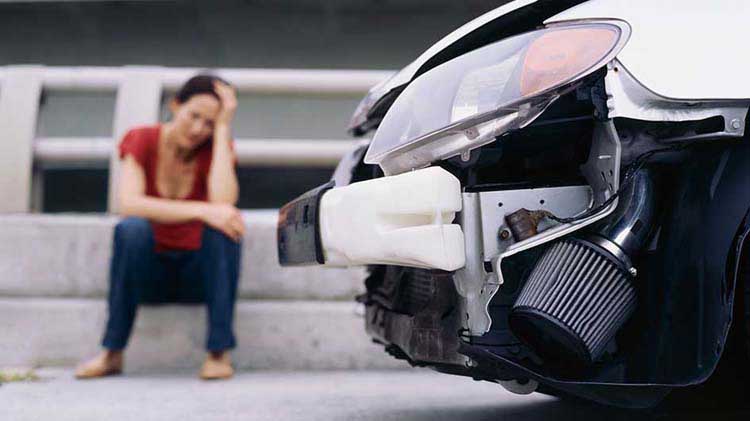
(193, 120)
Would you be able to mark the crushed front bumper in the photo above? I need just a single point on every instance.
(399, 220)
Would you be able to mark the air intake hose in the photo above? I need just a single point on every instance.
(581, 290)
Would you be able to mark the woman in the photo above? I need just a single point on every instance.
(177, 189)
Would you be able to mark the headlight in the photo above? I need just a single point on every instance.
(469, 101)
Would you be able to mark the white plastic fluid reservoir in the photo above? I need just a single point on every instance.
(401, 220)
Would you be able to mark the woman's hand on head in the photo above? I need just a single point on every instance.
(228, 99)
(225, 218)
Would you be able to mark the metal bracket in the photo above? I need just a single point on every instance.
(482, 224)
(472, 281)
(486, 236)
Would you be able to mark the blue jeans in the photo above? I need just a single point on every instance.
(138, 274)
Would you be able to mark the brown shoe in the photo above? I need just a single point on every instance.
(218, 365)
(105, 364)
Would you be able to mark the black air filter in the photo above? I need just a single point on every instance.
(575, 300)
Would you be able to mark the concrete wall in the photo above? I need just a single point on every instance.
(278, 335)
(68, 256)
(53, 283)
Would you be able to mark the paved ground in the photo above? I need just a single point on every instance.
(384, 395)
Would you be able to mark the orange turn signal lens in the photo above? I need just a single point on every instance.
(556, 57)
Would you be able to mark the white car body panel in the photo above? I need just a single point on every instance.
(681, 49)
(628, 98)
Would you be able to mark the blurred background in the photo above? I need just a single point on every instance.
(75, 76)
(66, 38)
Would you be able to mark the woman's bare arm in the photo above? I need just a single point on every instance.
(222, 178)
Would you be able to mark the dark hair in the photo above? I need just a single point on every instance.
(196, 85)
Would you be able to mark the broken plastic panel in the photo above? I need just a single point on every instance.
(402, 220)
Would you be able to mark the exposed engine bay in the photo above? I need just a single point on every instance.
(564, 278)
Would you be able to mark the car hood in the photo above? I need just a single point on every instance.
(680, 49)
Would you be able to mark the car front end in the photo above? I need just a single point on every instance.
(532, 213)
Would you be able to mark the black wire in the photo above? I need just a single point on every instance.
(630, 172)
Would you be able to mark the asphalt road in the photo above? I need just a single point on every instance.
(384, 395)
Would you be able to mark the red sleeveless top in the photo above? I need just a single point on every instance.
(142, 143)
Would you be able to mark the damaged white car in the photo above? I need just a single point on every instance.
(556, 197)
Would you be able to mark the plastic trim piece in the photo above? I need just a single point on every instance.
(402, 220)
(297, 229)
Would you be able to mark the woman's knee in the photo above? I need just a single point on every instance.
(214, 236)
(133, 232)
(219, 242)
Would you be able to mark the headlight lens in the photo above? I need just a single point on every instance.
(555, 57)
(469, 101)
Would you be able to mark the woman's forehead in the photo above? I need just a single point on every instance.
(203, 103)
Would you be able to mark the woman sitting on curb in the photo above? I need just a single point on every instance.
(177, 189)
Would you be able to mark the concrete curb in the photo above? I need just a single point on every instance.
(282, 335)
(68, 256)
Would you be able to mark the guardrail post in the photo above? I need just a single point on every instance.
(19, 105)
(138, 102)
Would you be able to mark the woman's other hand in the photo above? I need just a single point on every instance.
(225, 218)
(228, 99)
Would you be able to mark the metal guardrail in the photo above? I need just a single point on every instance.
(138, 92)
(298, 81)
(73, 152)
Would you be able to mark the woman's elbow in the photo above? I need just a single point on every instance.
(125, 206)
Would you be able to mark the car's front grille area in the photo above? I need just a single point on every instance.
(417, 289)
(413, 312)
(404, 290)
